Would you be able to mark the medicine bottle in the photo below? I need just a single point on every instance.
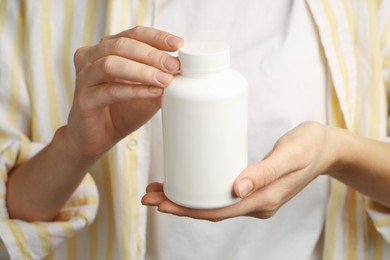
(204, 113)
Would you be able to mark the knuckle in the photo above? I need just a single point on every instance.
(147, 74)
(298, 151)
(79, 55)
(311, 124)
(136, 30)
(106, 64)
(296, 148)
(118, 44)
(161, 36)
(268, 175)
(81, 100)
(154, 55)
(105, 37)
(112, 90)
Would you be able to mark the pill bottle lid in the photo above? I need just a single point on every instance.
(204, 57)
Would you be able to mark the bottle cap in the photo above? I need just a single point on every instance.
(204, 57)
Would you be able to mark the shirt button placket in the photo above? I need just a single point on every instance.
(132, 144)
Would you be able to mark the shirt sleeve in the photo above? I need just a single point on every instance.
(35, 240)
(380, 215)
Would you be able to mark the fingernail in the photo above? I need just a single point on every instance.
(245, 187)
(174, 42)
(163, 78)
(171, 64)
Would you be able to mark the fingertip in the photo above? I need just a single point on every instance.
(163, 79)
(174, 42)
(144, 200)
(154, 187)
(164, 207)
(245, 187)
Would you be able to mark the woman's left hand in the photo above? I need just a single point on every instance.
(296, 159)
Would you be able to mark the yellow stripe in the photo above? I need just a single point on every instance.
(93, 239)
(48, 64)
(108, 173)
(3, 176)
(378, 246)
(69, 232)
(19, 238)
(338, 51)
(336, 115)
(353, 34)
(3, 11)
(382, 222)
(351, 201)
(336, 119)
(88, 180)
(127, 187)
(85, 200)
(366, 237)
(90, 22)
(25, 150)
(385, 33)
(125, 15)
(35, 133)
(386, 61)
(379, 3)
(19, 154)
(66, 54)
(334, 205)
(142, 12)
(16, 72)
(375, 97)
(132, 163)
(110, 18)
(140, 20)
(65, 216)
(44, 236)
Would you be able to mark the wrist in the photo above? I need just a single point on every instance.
(63, 145)
(342, 148)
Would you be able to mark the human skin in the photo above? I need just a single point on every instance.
(307, 151)
(119, 83)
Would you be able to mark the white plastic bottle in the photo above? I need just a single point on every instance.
(204, 114)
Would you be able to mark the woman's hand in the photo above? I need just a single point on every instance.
(296, 159)
(118, 87)
(119, 83)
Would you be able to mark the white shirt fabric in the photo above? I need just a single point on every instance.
(288, 82)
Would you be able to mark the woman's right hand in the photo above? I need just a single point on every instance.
(119, 83)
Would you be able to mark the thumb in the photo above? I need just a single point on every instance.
(255, 177)
(276, 164)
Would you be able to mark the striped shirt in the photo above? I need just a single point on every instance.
(104, 219)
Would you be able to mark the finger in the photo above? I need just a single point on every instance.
(112, 68)
(153, 37)
(153, 198)
(263, 203)
(134, 50)
(112, 92)
(238, 209)
(286, 157)
(155, 187)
